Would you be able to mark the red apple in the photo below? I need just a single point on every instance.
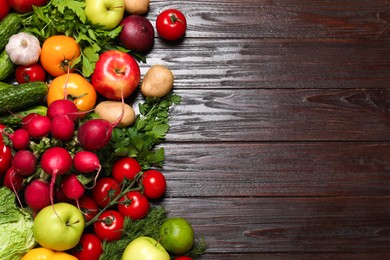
(116, 72)
(4, 9)
(137, 33)
(25, 6)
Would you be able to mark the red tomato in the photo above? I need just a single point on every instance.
(154, 184)
(125, 167)
(171, 24)
(89, 248)
(5, 155)
(105, 190)
(88, 207)
(4, 9)
(30, 73)
(134, 205)
(183, 258)
(109, 225)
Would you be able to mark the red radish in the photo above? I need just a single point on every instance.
(20, 139)
(24, 162)
(37, 194)
(13, 181)
(72, 187)
(63, 107)
(86, 162)
(38, 126)
(55, 161)
(60, 196)
(62, 128)
(26, 120)
(96, 133)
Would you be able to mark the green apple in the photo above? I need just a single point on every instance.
(145, 248)
(107, 13)
(58, 227)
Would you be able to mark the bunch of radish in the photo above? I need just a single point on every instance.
(42, 170)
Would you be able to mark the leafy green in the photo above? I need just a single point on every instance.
(15, 228)
(68, 17)
(148, 130)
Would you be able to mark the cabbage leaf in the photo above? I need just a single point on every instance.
(16, 228)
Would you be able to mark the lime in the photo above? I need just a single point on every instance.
(177, 235)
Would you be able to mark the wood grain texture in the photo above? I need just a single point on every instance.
(280, 147)
(274, 63)
(282, 18)
(281, 115)
(290, 225)
(295, 256)
(277, 169)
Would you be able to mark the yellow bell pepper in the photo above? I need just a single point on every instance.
(42, 253)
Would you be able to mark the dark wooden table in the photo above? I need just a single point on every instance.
(281, 146)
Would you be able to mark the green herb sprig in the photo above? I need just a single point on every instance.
(148, 130)
(149, 226)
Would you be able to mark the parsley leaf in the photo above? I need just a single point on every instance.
(140, 139)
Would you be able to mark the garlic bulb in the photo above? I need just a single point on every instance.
(23, 49)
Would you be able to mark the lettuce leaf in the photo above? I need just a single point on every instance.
(16, 228)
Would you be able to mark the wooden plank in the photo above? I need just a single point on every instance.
(281, 18)
(281, 115)
(277, 169)
(296, 256)
(274, 63)
(288, 225)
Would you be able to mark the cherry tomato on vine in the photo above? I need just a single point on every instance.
(89, 248)
(30, 73)
(154, 184)
(5, 155)
(105, 190)
(58, 54)
(171, 24)
(109, 225)
(134, 205)
(125, 167)
(88, 207)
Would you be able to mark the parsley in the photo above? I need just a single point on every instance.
(148, 130)
(68, 17)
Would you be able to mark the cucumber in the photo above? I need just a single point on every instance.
(7, 68)
(15, 119)
(9, 26)
(4, 85)
(22, 96)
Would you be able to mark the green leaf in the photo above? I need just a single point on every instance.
(90, 57)
(76, 6)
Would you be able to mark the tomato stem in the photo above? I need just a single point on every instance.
(115, 200)
(175, 19)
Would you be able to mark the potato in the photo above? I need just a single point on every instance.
(111, 111)
(157, 82)
(137, 6)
